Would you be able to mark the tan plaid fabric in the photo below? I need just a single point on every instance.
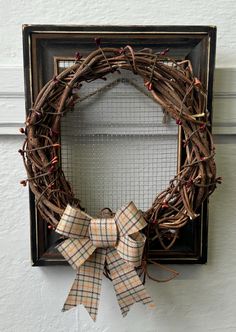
(74, 223)
(129, 219)
(129, 289)
(86, 288)
(103, 232)
(76, 251)
(90, 243)
(130, 248)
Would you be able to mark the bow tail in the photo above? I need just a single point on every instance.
(128, 286)
(87, 285)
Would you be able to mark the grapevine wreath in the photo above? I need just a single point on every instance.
(173, 86)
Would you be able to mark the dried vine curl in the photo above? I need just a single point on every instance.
(173, 86)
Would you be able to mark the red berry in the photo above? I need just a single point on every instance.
(77, 56)
(202, 127)
(179, 122)
(197, 82)
(51, 169)
(55, 79)
(97, 41)
(189, 183)
(165, 205)
(165, 51)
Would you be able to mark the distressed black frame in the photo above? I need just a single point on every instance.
(43, 43)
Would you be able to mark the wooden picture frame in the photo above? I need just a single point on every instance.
(42, 44)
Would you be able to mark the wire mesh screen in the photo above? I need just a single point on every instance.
(115, 147)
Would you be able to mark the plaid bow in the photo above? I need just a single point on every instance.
(92, 242)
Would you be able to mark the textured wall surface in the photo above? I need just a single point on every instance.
(202, 298)
(104, 12)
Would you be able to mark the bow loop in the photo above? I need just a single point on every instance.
(129, 219)
(130, 248)
(74, 223)
(76, 251)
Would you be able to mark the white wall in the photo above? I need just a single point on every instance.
(203, 297)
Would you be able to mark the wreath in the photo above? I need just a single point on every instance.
(173, 86)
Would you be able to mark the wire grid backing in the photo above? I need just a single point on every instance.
(115, 147)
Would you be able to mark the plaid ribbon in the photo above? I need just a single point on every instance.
(92, 242)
